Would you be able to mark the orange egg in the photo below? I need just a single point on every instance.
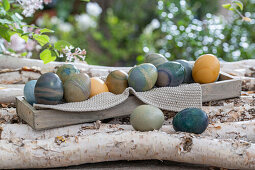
(206, 69)
(97, 86)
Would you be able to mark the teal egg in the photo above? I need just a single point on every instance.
(147, 118)
(29, 92)
(188, 71)
(170, 74)
(66, 71)
(155, 59)
(49, 89)
(192, 120)
(143, 77)
(77, 88)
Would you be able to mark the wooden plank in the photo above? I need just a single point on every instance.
(45, 119)
(226, 87)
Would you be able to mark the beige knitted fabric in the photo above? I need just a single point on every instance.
(165, 98)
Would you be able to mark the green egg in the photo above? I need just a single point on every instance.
(143, 77)
(155, 59)
(147, 118)
(117, 81)
(191, 120)
(66, 71)
(188, 71)
(77, 88)
(170, 74)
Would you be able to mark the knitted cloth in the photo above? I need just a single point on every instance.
(165, 98)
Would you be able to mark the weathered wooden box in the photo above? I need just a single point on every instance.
(225, 87)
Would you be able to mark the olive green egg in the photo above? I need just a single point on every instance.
(117, 81)
(143, 77)
(147, 118)
(77, 88)
(66, 71)
(155, 59)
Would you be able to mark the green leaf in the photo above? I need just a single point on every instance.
(227, 6)
(2, 11)
(5, 21)
(6, 5)
(85, 0)
(60, 45)
(45, 30)
(5, 33)
(239, 3)
(23, 54)
(46, 56)
(24, 37)
(41, 39)
(16, 18)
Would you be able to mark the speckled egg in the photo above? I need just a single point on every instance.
(97, 86)
(188, 71)
(147, 118)
(143, 77)
(206, 69)
(66, 71)
(155, 59)
(49, 89)
(170, 74)
(117, 81)
(77, 88)
(192, 120)
(29, 94)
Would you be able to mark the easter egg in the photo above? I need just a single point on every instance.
(77, 88)
(117, 81)
(170, 74)
(206, 69)
(155, 59)
(29, 92)
(147, 118)
(97, 86)
(188, 71)
(66, 71)
(192, 120)
(143, 77)
(49, 89)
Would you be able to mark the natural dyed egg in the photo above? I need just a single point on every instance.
(192, 120)
(49, 89)
(188, 71)
(97, 86)
(147, 118)
(117, 81)
(29, 92)
(143, 77)
(77, 88)
(66, 71)
(155, 59)
(170, 74)
(206, 69)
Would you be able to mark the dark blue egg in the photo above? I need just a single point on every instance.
(29, 92)
(191, 120)
(49, 89)
(188, 71)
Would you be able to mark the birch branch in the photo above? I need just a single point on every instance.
(126, 145)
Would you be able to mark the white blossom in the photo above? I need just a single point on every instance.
(30, 6)
(65, 27)
(155, 24)
(93, 9)
(70, 56)
(17, 43)
(84, 21)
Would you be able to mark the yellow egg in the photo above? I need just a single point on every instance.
(206, 69)
(97, 86)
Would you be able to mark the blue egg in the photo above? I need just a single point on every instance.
(49, 89)
(29, 92)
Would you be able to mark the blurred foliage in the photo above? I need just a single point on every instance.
(178, 29)
(182, 35)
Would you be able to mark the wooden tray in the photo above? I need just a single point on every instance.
(226, 87)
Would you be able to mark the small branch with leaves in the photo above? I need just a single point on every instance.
(236, 6)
